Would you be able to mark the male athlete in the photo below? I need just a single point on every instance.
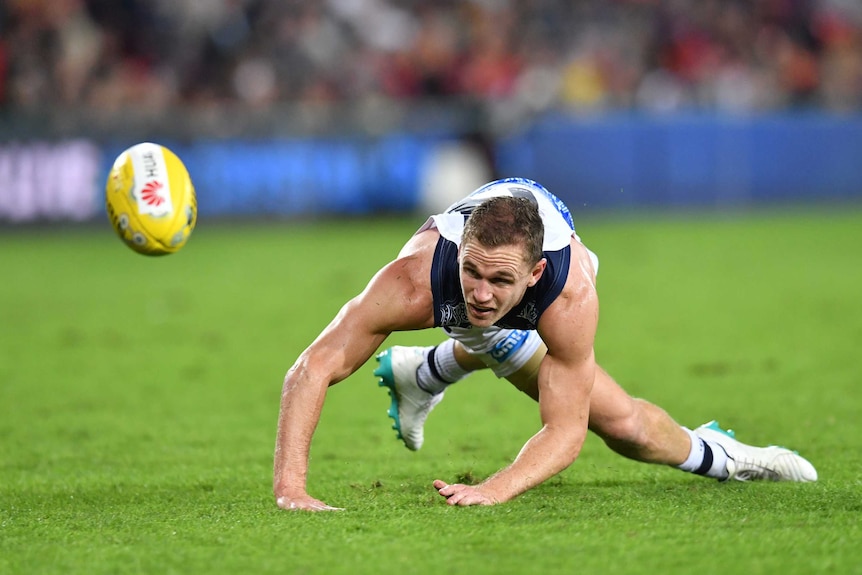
(506, 277)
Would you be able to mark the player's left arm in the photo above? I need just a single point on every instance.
(565, 382)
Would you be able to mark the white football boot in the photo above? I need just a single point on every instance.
(749, 463)
(410, 403)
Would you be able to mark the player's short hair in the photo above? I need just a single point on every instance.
(507, 221)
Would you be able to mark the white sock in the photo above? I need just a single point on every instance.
(705, 458)
(440, 369)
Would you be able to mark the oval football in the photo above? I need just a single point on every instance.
(150, 199)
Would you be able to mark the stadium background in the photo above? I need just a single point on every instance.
(289, 108)
(139, 396)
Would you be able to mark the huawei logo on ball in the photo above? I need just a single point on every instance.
(151, 193)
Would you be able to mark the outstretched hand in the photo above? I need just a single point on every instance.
(463, 495)
(304, 503)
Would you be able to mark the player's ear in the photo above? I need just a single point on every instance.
(537, 271)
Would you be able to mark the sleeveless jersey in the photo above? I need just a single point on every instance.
(449, 305)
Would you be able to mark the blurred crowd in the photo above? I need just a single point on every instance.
(591, 55)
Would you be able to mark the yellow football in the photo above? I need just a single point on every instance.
(150, 199)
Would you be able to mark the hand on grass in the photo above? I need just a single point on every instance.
(463, 495)
(304, 502)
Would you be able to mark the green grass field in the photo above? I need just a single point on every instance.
(138, 402)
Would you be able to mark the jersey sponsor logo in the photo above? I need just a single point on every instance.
(513, 342)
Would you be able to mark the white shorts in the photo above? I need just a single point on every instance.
(504, 351)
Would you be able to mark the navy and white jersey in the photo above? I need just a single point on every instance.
(449, 305)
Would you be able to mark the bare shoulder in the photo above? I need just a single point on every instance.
(582, 275)
(415, 259)
(403, 286)
(421, 245)
(573, 317)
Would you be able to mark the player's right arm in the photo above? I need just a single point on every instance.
(396, 298)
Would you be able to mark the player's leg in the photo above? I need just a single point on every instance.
(640, 430)
(633, 427)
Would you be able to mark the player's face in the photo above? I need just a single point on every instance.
(494, 280)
